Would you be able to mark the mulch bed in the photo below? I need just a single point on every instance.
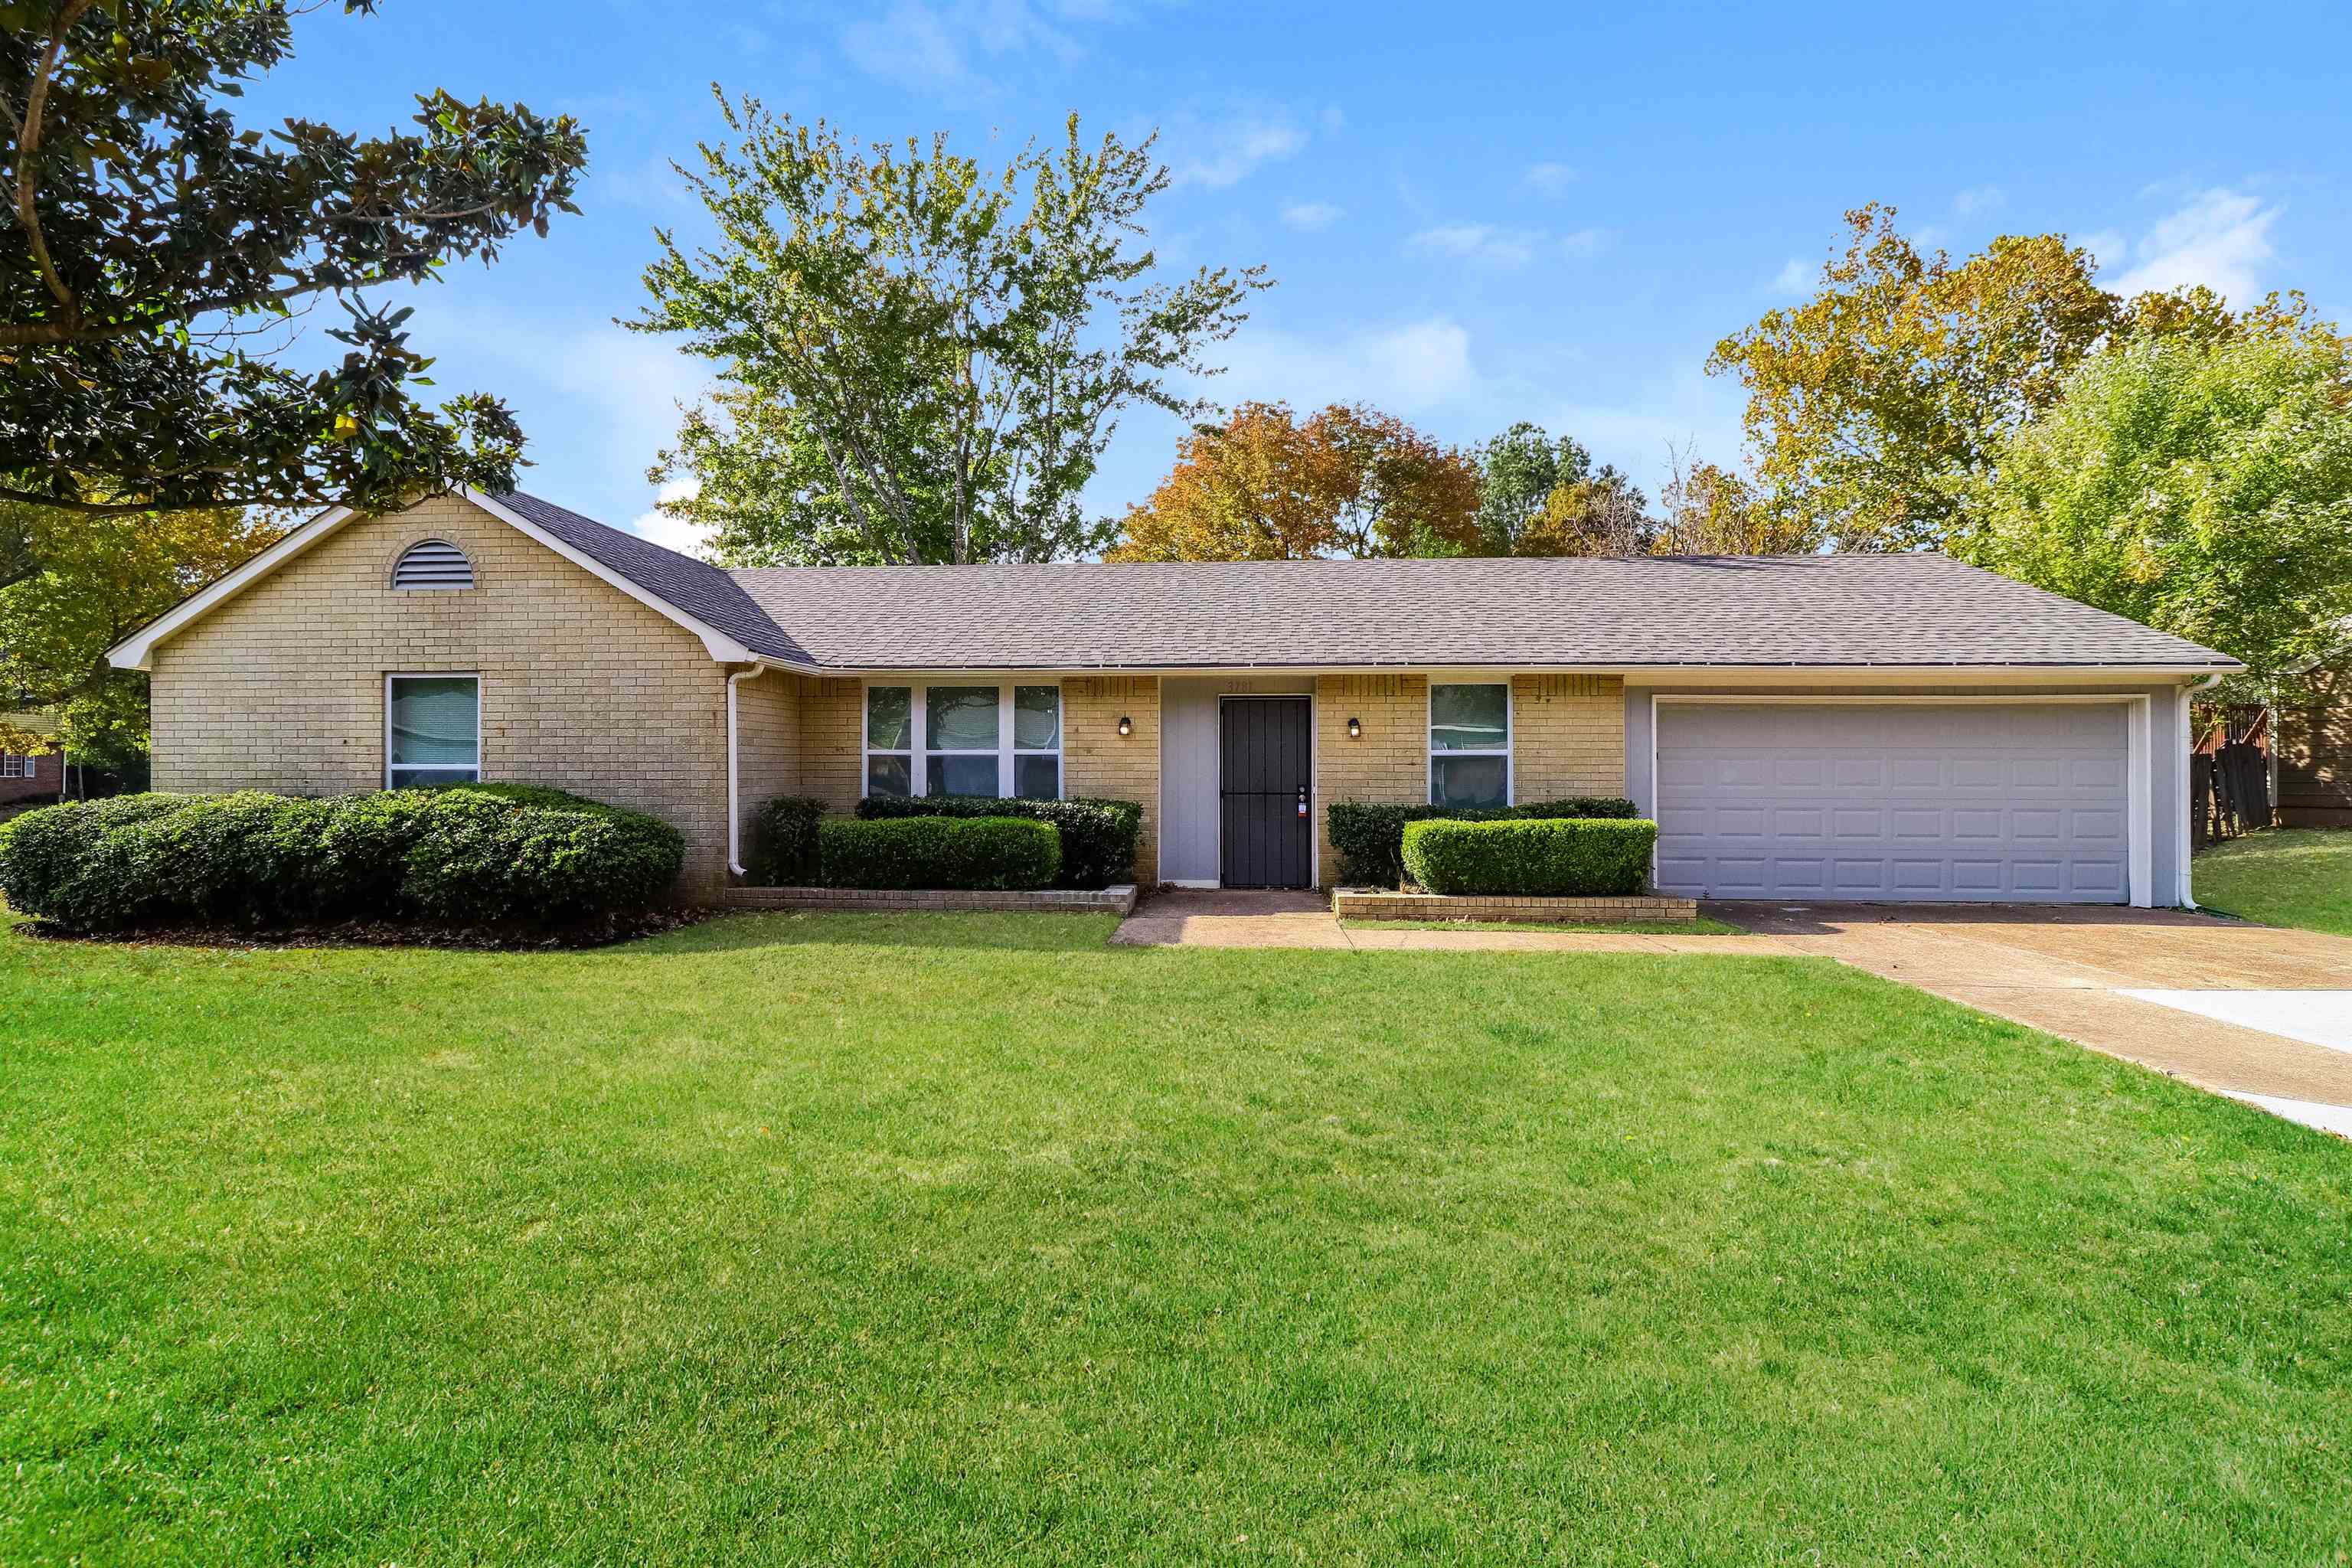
(505, 937)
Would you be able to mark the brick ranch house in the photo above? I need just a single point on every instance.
(1895, 728)
(29, 778)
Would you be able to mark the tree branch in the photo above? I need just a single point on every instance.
(29, 146)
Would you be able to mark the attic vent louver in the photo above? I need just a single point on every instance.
(433, 563)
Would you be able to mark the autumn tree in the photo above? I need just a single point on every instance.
(1602, 513)
(153, 248)
(1347, 482)
(1872, 405)
(921, 360)
(100, 579)
(2199, 484)
(1709, 510)
(1518, 470)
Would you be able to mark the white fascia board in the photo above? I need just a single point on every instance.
(135, 651)
(718, 644)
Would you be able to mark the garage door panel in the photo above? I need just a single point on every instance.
(1908, 801)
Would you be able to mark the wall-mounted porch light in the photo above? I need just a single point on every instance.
(1126, 725)
(1355, 729)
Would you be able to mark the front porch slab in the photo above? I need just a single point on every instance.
(1376, 904)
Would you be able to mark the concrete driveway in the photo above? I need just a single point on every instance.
(2260, 1014)
(2265, 1015)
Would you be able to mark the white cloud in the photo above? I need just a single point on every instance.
(2220, 239)
(1224, 152)
(1406, 368)
(1334, 118)
(1432, 357)
(1491, 244)
(937, 47)
(598, 403)
(2107, 246)
(1794, 277)
(1480, 242)
(1979, 199)
(673, 533)
(1309, 216)
(1552, 178)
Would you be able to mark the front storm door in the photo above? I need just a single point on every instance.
(1269, 839)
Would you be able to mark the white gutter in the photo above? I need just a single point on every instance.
(734, 788)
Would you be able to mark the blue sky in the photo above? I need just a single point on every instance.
(1476, 214)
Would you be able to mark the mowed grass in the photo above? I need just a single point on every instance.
(2284, 877)
(966, 1239)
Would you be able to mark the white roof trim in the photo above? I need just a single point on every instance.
(137, 650)
(718, 644)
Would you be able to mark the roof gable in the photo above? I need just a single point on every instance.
(698, 596)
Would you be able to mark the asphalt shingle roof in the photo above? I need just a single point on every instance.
(709, 594)
(1897, 611)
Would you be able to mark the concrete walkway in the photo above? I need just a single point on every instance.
(2085, 973)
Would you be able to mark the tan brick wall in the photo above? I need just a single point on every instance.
(833, 741)
(1097, 760)
(583, 688)
(1568, 736)
(1388, 764)
(767, 743)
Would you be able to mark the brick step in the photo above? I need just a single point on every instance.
(1372, 904)
(1115, 900)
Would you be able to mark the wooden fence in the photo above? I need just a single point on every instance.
(2229, 792)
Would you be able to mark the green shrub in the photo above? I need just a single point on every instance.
(938, 852)
(465, 852)
(506, 852)
(1097, 836)
(784, 842)
(1370, 838)
(1564, 857)
(45, 854)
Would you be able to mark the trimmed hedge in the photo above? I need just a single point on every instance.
(957, 852)
(1097, 836)
(1584, 858)
(460, 853)
(1370, 838)
(784, 842)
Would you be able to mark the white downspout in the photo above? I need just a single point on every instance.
(2188, 738)
(734, 784)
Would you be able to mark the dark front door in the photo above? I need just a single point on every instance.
(1268, 837)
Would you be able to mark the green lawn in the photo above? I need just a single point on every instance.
(959, 1240)
(1701, 926)
(2284, 877)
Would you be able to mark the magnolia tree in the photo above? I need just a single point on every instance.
(155, 247)
(921, 360)
(2200, 485)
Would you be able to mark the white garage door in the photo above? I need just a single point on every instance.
(1914, 802)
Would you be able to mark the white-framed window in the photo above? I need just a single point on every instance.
(431, 729)
(1001, 739)
(12, 767)
(1470, 743)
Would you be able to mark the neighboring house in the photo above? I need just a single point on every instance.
(26, 777)
(2314, 756)
(1883, 727)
